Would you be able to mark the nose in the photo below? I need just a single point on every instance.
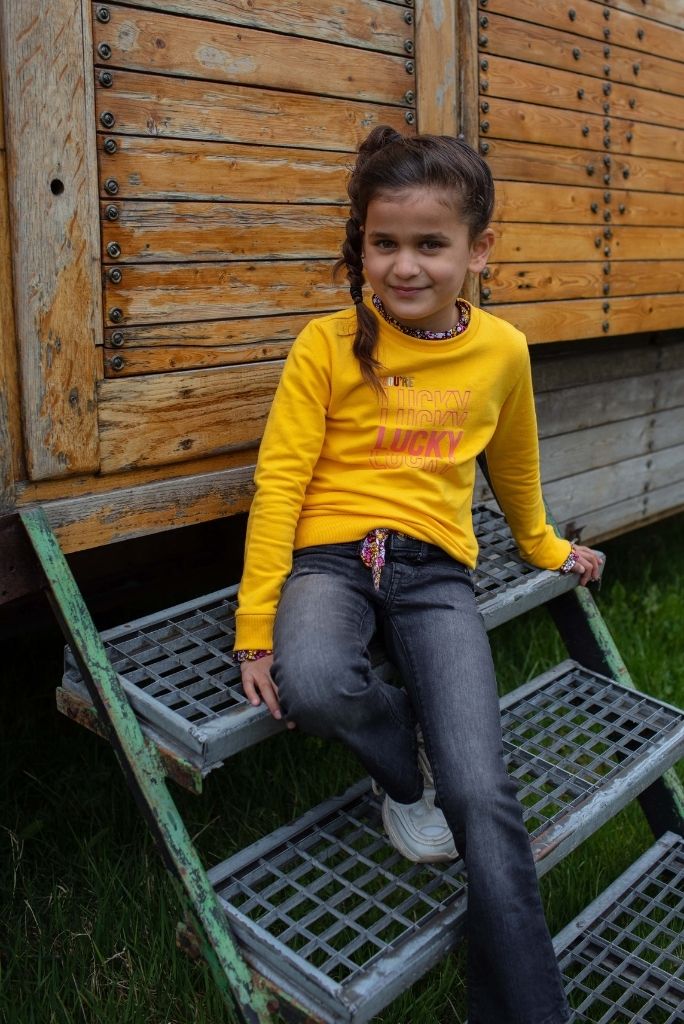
(405, 264)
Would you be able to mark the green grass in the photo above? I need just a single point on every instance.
(88, 916)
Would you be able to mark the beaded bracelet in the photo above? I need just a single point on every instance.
(249, 654)
(569, 563)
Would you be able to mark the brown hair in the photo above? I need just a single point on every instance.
(388, 162)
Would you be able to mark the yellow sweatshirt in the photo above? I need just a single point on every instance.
(338, 460)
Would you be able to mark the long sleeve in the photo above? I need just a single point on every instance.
(289, 450)
(513, 457)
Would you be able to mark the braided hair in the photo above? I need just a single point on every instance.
(388, 162)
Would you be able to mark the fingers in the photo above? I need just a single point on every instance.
(258, 685)
(588, 564)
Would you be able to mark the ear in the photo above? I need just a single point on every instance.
(480, 248)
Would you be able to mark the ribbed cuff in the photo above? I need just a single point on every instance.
(253, 632)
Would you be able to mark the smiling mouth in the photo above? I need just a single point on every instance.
(408, 290)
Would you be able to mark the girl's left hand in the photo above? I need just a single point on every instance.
(588, 564)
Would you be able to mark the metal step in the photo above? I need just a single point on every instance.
(330, 913)
(176, 669)
(622, 958)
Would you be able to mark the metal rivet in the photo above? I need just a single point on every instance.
(606, 107)
(572, 14)
(622, 207)
(606, 33)
(607, 197)
(484, 21)
(606, 307)
(410, 117)
(484, 126)
(607, 160)
(597, 241)
(606, 289)
(590, 169)
(115, 275)
(629, 136)
(606, 179)
(484, 85)
(632, 103)
(625, 172)
(606, 268)
(606, 51)
(484, 147)
(606, 124)
(640, 33)
(606, 69)
(483, 41)
(409, 3)
(486, 273)
(409, 96)
(580, 94)
(112, 186)
(585, 130)
(606, 251)
(408, 45)
(112, 213)
(606, 142)
(116, 314)
(117, 339)
(105, 51)
(103, 15)
(636, 68)
(410, 67)
(106, 79)
(607, 88)
(594, 207)
(114, 250)
(606, 326)
(607, 215)
(110, 146)
(577, 53)
(107, 119)
(606, 14)
(486, 293)
(484, 64)
(408, 17)
(117, 363)
(484, 106)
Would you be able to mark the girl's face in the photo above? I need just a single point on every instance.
(416, 252)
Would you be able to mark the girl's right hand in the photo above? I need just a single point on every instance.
(258, 684)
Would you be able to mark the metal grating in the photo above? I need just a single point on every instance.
(623, 958)
(328, 904)
(175, 665)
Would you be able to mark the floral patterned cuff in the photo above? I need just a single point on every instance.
(249, 654)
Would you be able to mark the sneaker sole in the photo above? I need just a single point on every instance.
(398, 842)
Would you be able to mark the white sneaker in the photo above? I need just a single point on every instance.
(419, 831)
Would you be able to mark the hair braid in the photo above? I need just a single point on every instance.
(365, 339)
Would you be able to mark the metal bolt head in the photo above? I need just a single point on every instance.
(622, 208)
(115, 275)
(625, 172)
(607, 160)
(486, 273)
(580, 94)
(606, 107)
(605, 326)
(632, 102)
(607, 197)
(117, 363)
(606, 268)
(585, 130)
(111, 186)
(105, 51)
(607, 215)
(107, 119)
(640, 33)
(408, 17)
(408, 45)
(410, 117)
(410, 96)
(112, 212)
(606, 124)
(607, 88)
(636, 68)
(590, 169)
(606, 69)
(606, 289)
(606, 33)
(484, 106)
(116, 314)
(606, 14)
(606, 51)
(483, 41)
(113, 250)
(484, 21)
(102, 14)
(629, 136)
(106, 79)
(409, 67)
(110, 146)
(594, 207)
(606, 251)
(606, 179)
(486, 293)
(484, 147)
(606, 307)
(484, 85)
(484, 64)
(606, 142)
(576, 52)
(572, 14)
(597, 241)
(484, 126)
(117, 339)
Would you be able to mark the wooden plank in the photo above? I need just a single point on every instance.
(183, 415)
(435, 40)
(53, 203)
(559, 204)
(181, 169)
(610, 443)
(595, 22)
(538, 282)
(161, 106)
(667, 12)
(534, 242)
(585, 318)
(191, 291)
(551, 126)
(148, 232)
(524, 161)
(209, 333)
(520, 40)
(191, 48)
(533, 83)
(372, 24)
(137, 361)
(603, 359)
(649, 507)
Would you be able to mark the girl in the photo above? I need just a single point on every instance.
(362, 522)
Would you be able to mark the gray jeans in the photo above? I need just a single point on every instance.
(425, 610)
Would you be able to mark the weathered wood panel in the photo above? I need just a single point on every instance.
(538, 282)
(552, 126)
(562, 165)
(435, 42)
(11, 463)
(158, 105)
(137, 361)
(181, 169)
(184, 292)
(53, 205)
(559, 204)
(178, 416)
(534, 242)
(191, 48)
(372, 24)
(600, 22)
(580, 318)
(664, 11)
(166, 232)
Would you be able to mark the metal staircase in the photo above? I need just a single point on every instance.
(323, 920)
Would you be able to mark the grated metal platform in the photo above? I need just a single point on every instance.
(176, 669)
(330, 912)
(622, 958)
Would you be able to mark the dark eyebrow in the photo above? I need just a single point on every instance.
(436, 235)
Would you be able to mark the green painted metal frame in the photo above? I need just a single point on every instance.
(145, 775)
